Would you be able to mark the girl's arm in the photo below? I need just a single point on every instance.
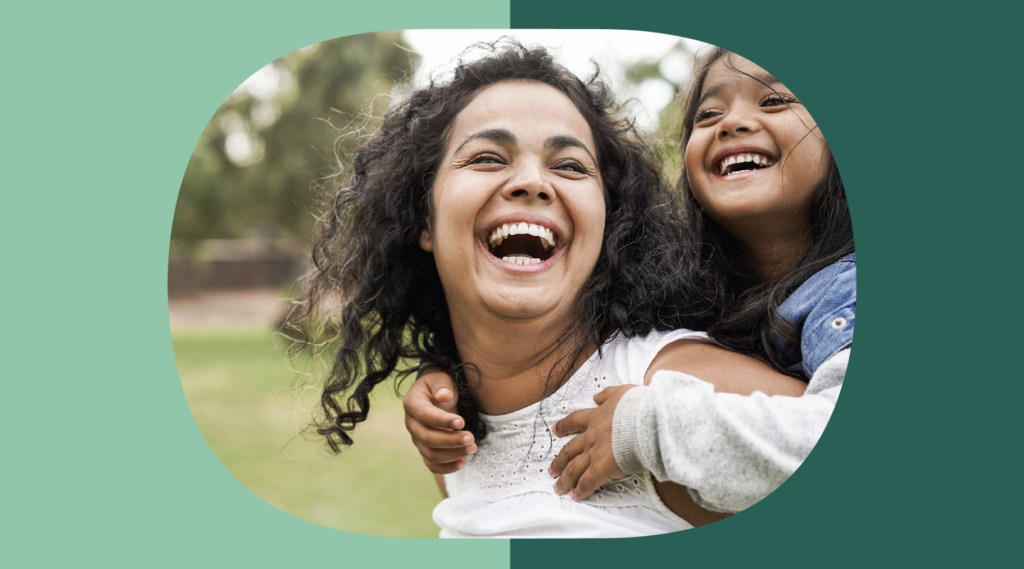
(729, 450)
(729, 445)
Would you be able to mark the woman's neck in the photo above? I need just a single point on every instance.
(511, 360)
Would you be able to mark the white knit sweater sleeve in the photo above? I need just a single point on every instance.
(729, 450)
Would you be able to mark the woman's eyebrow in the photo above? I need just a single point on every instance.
(565, 141)
(496, 135)
(762, 77)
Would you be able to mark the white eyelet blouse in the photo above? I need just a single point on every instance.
(505, 489)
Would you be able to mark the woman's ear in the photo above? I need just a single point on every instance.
(427, 239)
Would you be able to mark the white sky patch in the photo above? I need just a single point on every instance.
(267, 83)
(613, 50)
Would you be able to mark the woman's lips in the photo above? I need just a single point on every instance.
(517, 267)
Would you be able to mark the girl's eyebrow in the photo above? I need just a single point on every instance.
(497, 135)
(762, 77)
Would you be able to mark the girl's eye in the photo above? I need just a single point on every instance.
(705, 115)
(776, 99)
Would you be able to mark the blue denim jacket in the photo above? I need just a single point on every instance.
(822, 308)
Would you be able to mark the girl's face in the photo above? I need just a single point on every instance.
(755, 154)
(518, 205)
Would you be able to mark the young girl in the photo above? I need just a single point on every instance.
(766, 202)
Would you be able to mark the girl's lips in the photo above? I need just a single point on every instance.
(741, 175)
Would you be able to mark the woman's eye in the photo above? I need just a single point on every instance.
(572, 166)
(487, 159)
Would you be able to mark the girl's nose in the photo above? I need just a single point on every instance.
(528, 183)
(736, 124)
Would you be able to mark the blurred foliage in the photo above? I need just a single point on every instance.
(674, 68)
(259, 162)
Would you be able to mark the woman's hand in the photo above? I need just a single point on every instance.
(587, 462)
(433, 425)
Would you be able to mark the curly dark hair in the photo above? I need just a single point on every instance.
(747, 317)
(392, 306)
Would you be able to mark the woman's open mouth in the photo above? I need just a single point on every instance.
(744, 162)
(522, 243)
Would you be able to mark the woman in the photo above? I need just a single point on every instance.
(507, 227)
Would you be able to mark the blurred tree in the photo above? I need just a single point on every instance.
(261, 158)
(672, 71)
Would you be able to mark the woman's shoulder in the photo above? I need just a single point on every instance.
(629, 357)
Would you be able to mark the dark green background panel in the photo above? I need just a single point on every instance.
(919, 461)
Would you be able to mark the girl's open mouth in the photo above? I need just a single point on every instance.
(522, 243)
(745, 162)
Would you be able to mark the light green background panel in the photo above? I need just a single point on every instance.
(103, 462)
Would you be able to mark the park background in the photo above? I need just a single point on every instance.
(104, 464)
(244, 224)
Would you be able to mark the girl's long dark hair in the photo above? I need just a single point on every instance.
(747, 319)
(368, 262)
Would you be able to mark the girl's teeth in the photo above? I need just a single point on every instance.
(757, 159)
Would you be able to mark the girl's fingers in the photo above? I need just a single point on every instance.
(441, 388)
(570, 451)
(576, 422)
(607, 393)
(444, 468)
(571, 475)
(446, 455)
(589, 482)
(438, 438)
(419, 405)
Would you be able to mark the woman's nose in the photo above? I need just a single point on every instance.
(528, 183)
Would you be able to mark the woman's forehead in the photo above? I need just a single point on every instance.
(526, 106)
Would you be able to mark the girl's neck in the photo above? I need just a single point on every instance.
(774, 249)
(511, 360)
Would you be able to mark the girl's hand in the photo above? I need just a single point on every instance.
(587, 462)
(430, 419)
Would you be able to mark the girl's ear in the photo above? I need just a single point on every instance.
(427, 239)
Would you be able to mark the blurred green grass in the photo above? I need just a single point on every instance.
(238, 387)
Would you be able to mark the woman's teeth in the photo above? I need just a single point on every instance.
(746, 161)
(547, 237)
(521, 260)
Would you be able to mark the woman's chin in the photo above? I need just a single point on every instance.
(522, 303)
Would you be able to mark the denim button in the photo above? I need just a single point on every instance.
(838, 323)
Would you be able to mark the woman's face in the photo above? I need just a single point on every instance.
(755, 154)
(518, 205)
